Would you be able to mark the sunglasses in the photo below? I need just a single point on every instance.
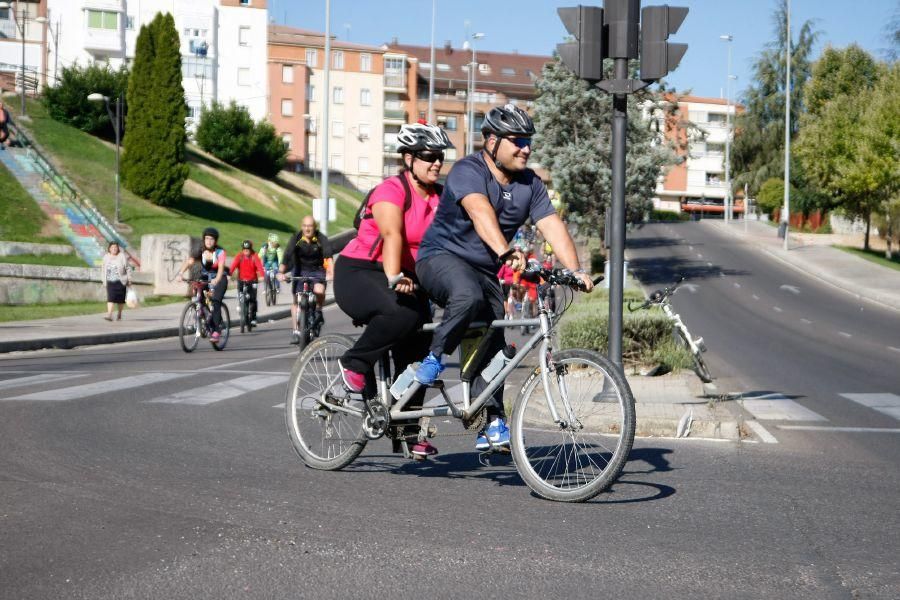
(430, 157)
(521, 142)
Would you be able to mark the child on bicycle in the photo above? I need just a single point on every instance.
(271, 254)
(212, 259)
(249, 270)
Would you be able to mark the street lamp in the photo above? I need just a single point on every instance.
(729, 199)
(470, 113)
(315, 119)
(117, 120)
(54, 35)
(21, 21)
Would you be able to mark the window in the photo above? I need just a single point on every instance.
(717, 118)
(363, 164)
(443, 67)
(288, 140)
(311, 123)
(4, 14)
(484, 68)
(425, 66)
(337, 95)
(713, 179)
(287, 107)
(365, 63)
(449, 154)
(312, 58)
(449, 123)
(337, 129)
(246, 2)
(365, 131)
(311, 92)
(129, 23)
(243, 76)
(365, 97)
(244, 36)
(287, 74)
(714, 148)
(337, 162)
(103, 19)
(509, 71)
(337, 59)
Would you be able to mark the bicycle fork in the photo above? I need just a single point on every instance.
(547, 365)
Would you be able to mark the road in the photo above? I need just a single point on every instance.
(137, 471)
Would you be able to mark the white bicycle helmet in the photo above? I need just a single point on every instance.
(415, 137)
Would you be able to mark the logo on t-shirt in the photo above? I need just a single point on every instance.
(507, 195)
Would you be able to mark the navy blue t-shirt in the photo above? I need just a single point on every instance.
(452, 231)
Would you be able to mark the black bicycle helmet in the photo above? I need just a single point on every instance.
(504, 121)
(211, 231)
(415, 137)
(247, 245)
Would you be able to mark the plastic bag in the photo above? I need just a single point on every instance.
(131, 298)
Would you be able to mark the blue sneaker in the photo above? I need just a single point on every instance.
(429, 369)
(498, 433)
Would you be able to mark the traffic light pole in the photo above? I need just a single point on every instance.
(617, 226)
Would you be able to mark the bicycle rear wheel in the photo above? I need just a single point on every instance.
(224, 329)
(325, 425)
(188, 332)
(575, 461)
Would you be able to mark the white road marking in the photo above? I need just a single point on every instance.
(839, 429)
(893, 349)
(845, 334)
(790, 288)
(762, 432)
(101, 387)
(755, 297)
(737, 285)
(776, 407)
(708, 264)
(222, 390)
(279, 406)
(691, 248)
(38, 379)
(691, 287)
(244, 362)
(699, 255)
(807, 321)
(888, 404)
(776, 309)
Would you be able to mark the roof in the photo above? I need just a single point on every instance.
(282, 34)
(506, 68)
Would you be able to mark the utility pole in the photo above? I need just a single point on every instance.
(729, 197)
(786, 218)
(431, 70)
(326, 97)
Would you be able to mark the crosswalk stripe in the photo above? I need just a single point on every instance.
(38, 379)
(222, 390)
(101, 387)
(888, 404)
(776, 407)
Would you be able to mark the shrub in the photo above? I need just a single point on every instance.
(67, 101)
(229, 134)
(668, 215)
(771, 195)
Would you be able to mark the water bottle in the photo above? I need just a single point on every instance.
(404, 381)
(500, 360)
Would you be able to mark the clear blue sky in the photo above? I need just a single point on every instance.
(533, 27)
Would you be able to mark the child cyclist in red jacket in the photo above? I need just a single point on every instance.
(249, 270)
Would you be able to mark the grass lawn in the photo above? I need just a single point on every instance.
(21, 219)
(71, 309)
(53, 260)
(90, 164)
(875, 256)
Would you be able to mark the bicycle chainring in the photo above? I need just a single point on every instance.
(377, 420)
(477, 422)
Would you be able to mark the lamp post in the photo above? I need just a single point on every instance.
(729, 199)
(470, 113)
(786, 217)
(21, 21)
(54, 35)
(431, 70)
(117, 120)
(326, 98)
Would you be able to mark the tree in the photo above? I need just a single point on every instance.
(573, 141)
(758, 150)
(229, 133)
(67, 101)
(771, 195)
(153, 163)
(838, 71)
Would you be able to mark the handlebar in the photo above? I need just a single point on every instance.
(564, 277)
(657, 297)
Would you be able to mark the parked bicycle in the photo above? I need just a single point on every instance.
(572, 424)
(307, 324)
(683, 337)
(271, 288)
(196, 319)
(247, 319)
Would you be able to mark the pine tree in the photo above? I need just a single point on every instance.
(153, 164)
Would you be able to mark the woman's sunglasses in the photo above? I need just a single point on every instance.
(429, 156)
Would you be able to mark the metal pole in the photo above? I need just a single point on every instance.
(786, 217)
(117, 128)
(472, 114)
(469, 124)
(21, 28)
(431, 70)
(56, 51)
(617, 222)
(323, 225)
(729, 198)
(746, 208)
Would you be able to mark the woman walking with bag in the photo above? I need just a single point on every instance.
(114, 273)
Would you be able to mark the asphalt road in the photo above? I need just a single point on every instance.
(173, 478)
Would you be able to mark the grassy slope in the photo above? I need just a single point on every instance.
(54, 260)
(875, 256)
(21, 219)
(90, 164)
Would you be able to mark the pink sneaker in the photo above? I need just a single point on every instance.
(214, 336)
(422, 449)
(353, 381)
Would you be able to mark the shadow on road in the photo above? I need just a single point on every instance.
(666, 270)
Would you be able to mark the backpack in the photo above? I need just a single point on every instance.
(365, 213)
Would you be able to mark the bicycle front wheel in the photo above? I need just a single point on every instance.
(325, 425)
(581, 457)
(188, 332)
(224, 329)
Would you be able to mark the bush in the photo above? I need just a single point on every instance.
(67, 101)
(771, 195)
(668, 215)
(229, 134)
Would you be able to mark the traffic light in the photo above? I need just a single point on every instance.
(585, 55)
(658, 57)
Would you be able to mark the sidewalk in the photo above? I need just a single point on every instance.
(843, 270)
(136, 324)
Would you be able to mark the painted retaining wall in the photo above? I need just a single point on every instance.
(39, 284)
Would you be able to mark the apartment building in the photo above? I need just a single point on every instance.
(28, 18)
(223, 43)
(500, 78)
(697, 185)
(356, 97)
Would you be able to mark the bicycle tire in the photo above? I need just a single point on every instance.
(311, 428)
(303, 322)
(268, 291)
(243, 310)
(187, 328)
(699, 365)
(605, 411)
(224, 330)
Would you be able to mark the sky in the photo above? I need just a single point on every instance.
(533, 27)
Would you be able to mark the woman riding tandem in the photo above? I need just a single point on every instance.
(212, 269)
(374, 279)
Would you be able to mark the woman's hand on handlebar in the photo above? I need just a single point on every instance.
(405, 286)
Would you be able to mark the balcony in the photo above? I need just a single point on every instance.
(394, 81)
(395, 116)
(106, 40)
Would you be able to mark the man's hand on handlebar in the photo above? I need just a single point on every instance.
(587, 282)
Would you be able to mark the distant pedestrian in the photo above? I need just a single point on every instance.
(5, 120)
(115, 274)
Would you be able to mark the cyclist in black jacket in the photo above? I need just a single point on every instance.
(305, 256)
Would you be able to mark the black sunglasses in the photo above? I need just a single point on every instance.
(430, 156)
(521, 142)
